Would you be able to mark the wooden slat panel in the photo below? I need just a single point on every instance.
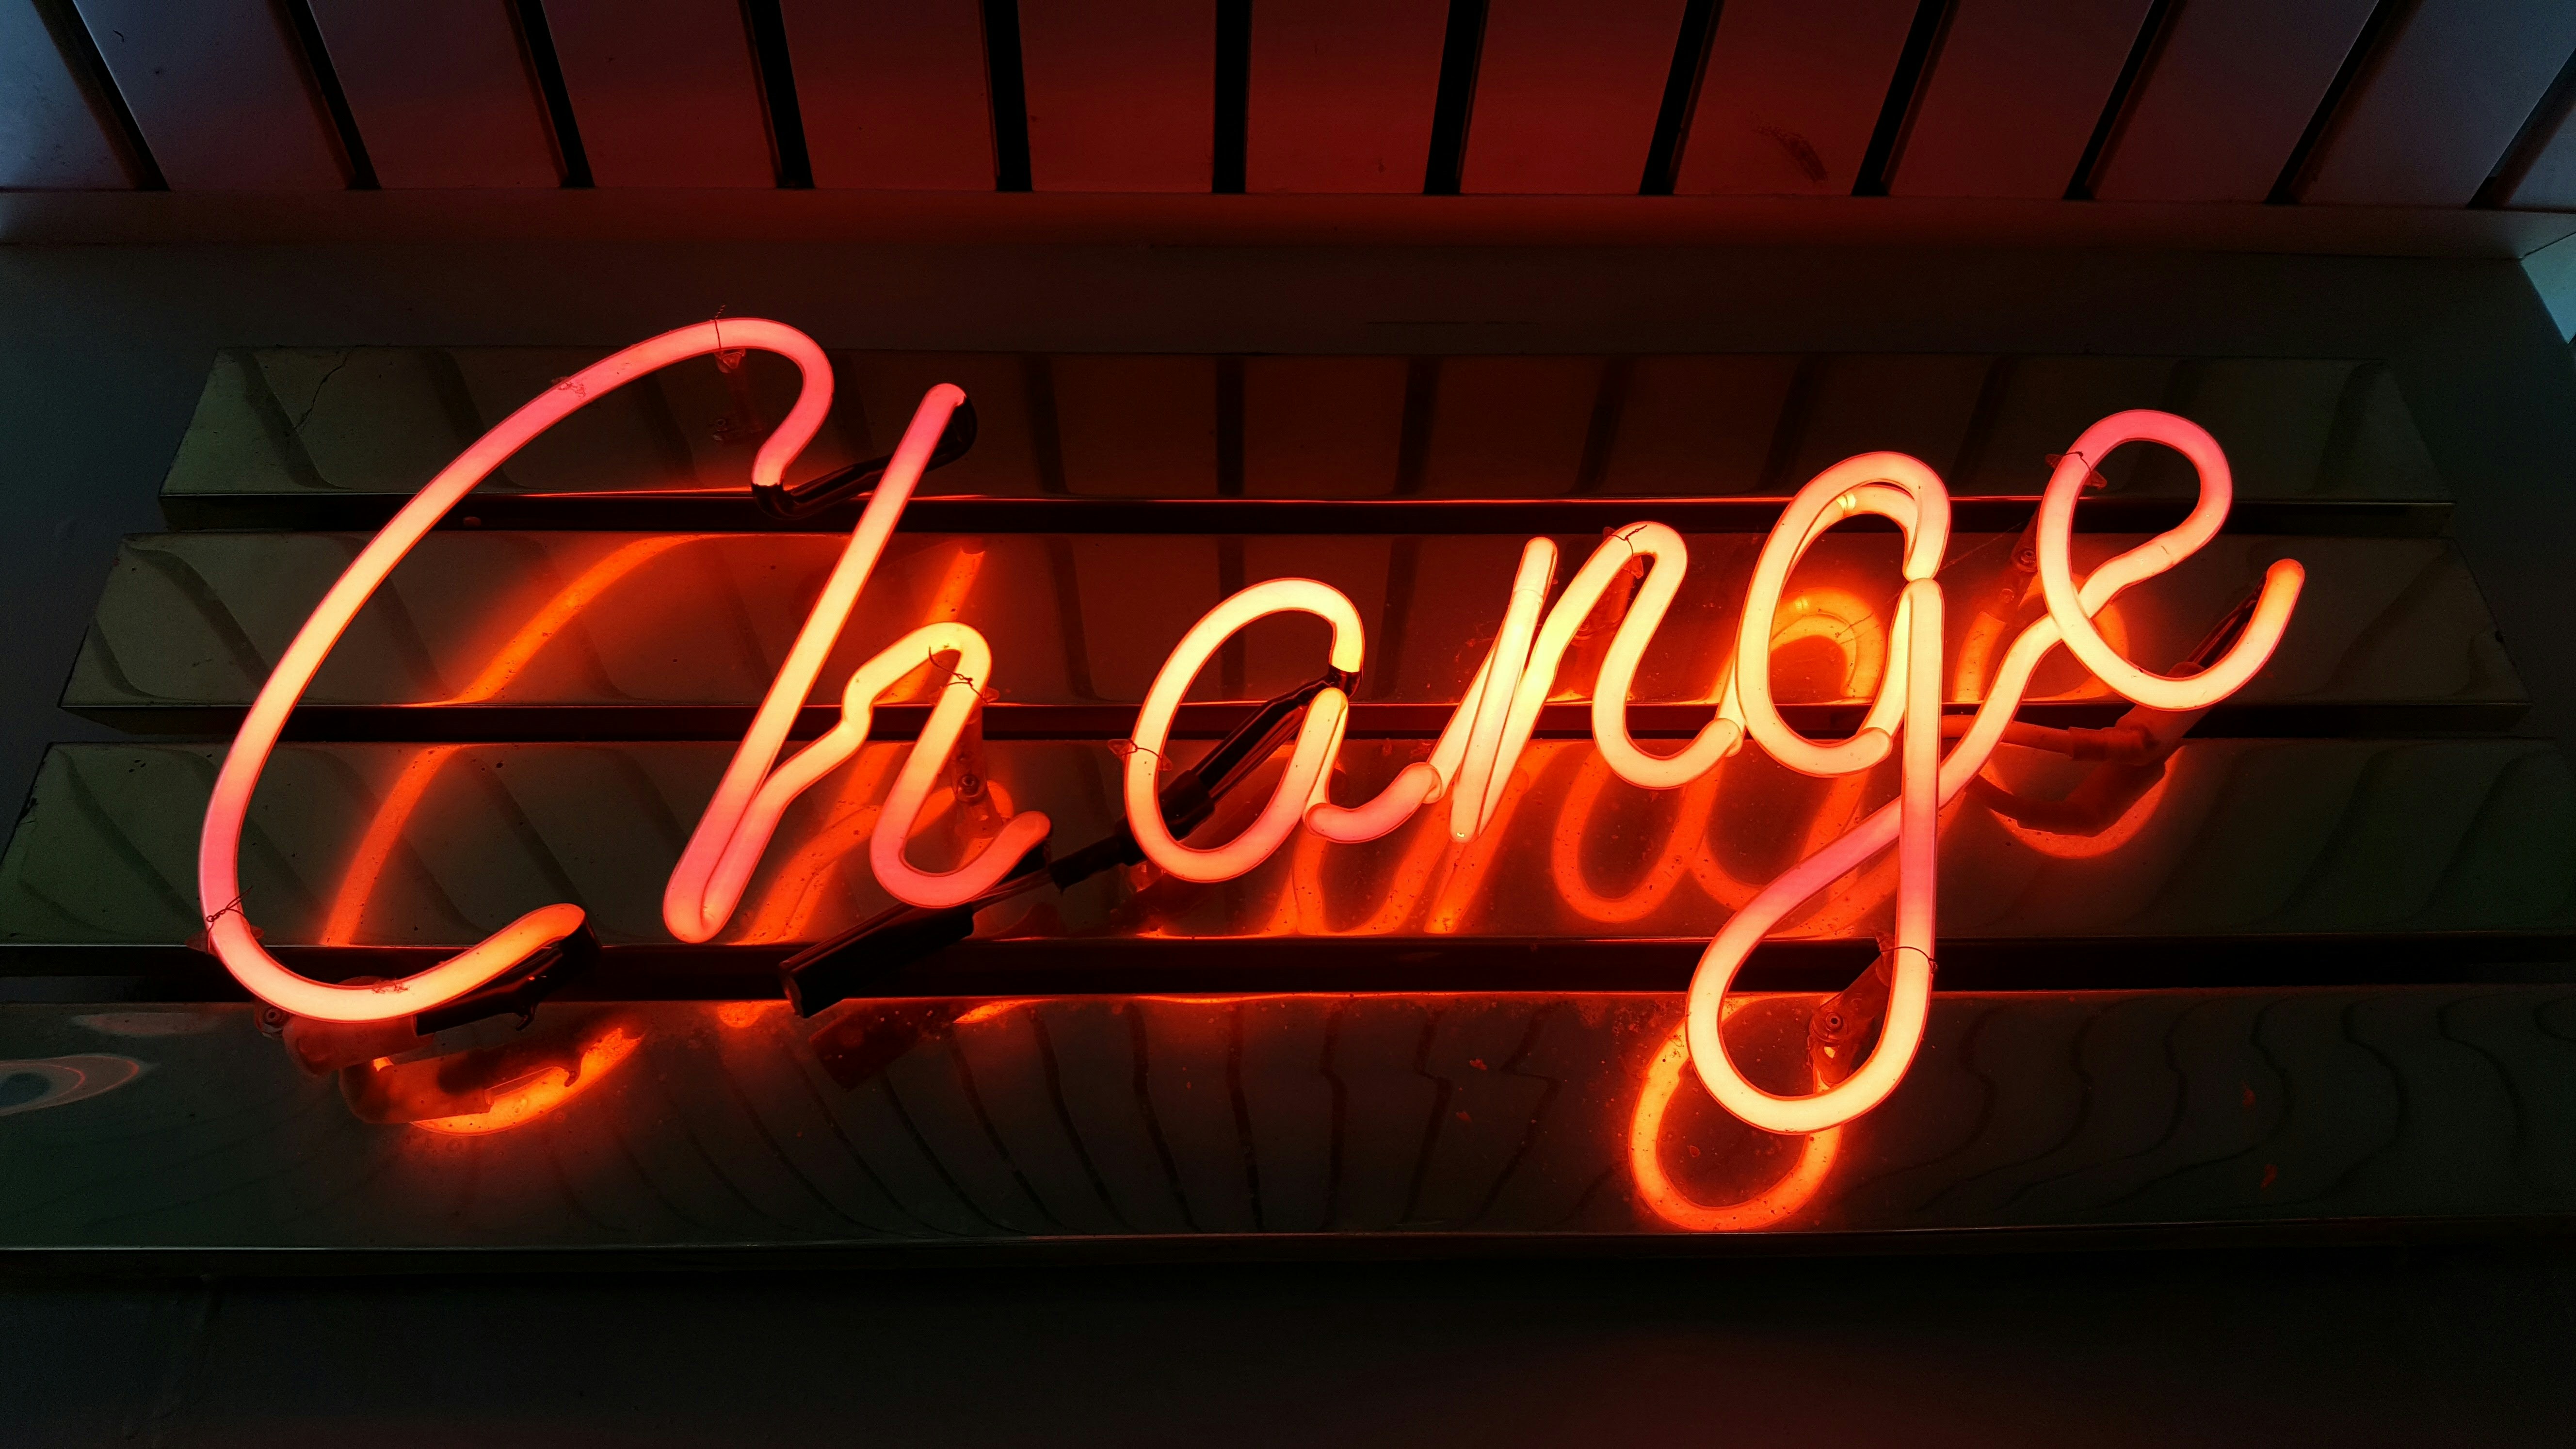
(739, 1124)
(51, 136)
(2427, 122)
(2230, 838)
(622, 620)
(893, 93)
(1121, 94)
(220, 93)
(337, 421)
(2550, 184)
(442, 92)
(1323, 427)
(2015, 91)
(711, 1125)
(1341, 94)
(1567, 92)
(2229, 92)
(1792, 92)
(664, 91)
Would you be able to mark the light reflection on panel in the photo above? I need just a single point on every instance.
(927, 1121)
(384, 420)
(436, 845)
(704, 619)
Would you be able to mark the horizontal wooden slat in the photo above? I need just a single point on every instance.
(2458, 842)
(2441, 101)
(220, 93)
(1791, 95)
(1567, 93)
(442, 94)
(1121, 94)
(2162, 1117)
(893, 93)
(1341, 94)
(664, 91)
(52, 134)
(2015, 90)
(337, 422)
(2387, 629)
(2549, 181)
(2225, 97)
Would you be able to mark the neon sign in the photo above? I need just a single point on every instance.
(1636, 572)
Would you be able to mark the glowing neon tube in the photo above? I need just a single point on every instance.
(1300, 787)
(1770, 1207)
(722, 852)
(1919, 504)
(2272, 608)
(1930, 781)
(228, 930)
(1494, 720)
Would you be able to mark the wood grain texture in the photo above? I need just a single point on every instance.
(2449, 89)
(664, 91)
(893, 93)
(52, 135)
(443, 93)
(1567, 93)
(1790, 96)
(1341, 94)
(2225, 98)
(2013, 94)
(1115, 1118)
(220, 93)
(1121, 94)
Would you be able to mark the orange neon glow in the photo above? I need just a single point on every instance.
(1666, 868)
(1772, 1206)
(517, 1103)
(541, 627)
(1300, 786)
(228, 930)
(1929, 780)
(2070, 845)
(989, 1010)
(726, 846)
(2073, 610)
(376, 847)
(1471, 768)
(1405, 885)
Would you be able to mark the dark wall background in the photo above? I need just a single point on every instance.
(103, 350)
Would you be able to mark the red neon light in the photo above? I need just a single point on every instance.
(727, 844)
(517, 1103)
(228, 929)
(1772, 1206)
(1470, 767)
